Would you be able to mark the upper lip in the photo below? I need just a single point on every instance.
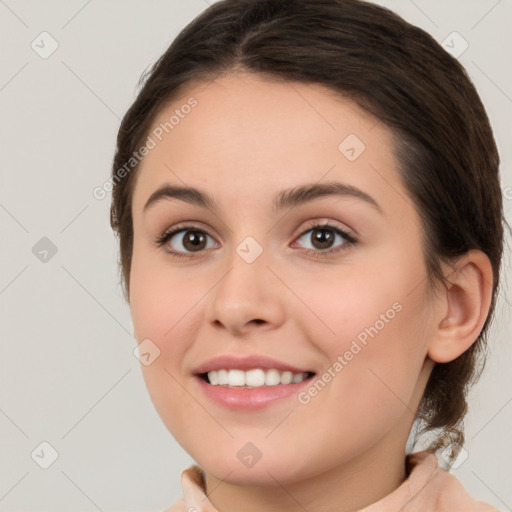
(246, 363)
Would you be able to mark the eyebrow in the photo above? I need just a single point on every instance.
(284, 199)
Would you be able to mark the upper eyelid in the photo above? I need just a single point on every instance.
(319, 222)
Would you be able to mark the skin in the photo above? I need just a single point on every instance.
(246, 140)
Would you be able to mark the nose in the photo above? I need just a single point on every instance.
(248, 294)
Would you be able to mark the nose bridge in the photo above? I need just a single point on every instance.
(248, 244)
(247, 263)
(245, 292)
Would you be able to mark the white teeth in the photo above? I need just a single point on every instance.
(214, 378)
(297, 377)
(254, 378)
(272, 377)
(286, 377)
(222, 377)
(236, 378)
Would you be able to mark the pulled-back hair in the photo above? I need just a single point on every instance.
(448, 159)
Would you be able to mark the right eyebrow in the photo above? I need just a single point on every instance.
(188, 194)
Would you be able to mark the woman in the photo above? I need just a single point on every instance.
(310, 218)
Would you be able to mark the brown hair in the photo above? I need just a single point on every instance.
(448, 158)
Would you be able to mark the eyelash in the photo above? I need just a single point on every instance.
(349, 239)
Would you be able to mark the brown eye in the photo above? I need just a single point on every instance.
(322, 239)
(184, 241)
(194, 240)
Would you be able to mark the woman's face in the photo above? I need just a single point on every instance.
(254, 276)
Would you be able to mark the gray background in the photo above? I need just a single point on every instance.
(68, 373)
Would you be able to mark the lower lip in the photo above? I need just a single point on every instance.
(250, 399)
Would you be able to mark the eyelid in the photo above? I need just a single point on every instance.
(310, 224)
(321, 223)
(191, 224)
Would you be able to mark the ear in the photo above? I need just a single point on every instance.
(463, 307)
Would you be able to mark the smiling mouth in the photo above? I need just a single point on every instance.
(255, 378)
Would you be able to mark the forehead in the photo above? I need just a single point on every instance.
(256, 135)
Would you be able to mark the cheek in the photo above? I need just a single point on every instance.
(160, 308)
(358, 304)
(380, 364)
(161, 298)
(167, 307)
(371, 325)
(368, 388)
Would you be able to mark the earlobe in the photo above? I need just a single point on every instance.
(464, 308)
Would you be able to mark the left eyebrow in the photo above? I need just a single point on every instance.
(285, 199)
(306, 193)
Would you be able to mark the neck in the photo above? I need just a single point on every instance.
(354, 485)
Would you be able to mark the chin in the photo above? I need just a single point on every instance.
(236, 467)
